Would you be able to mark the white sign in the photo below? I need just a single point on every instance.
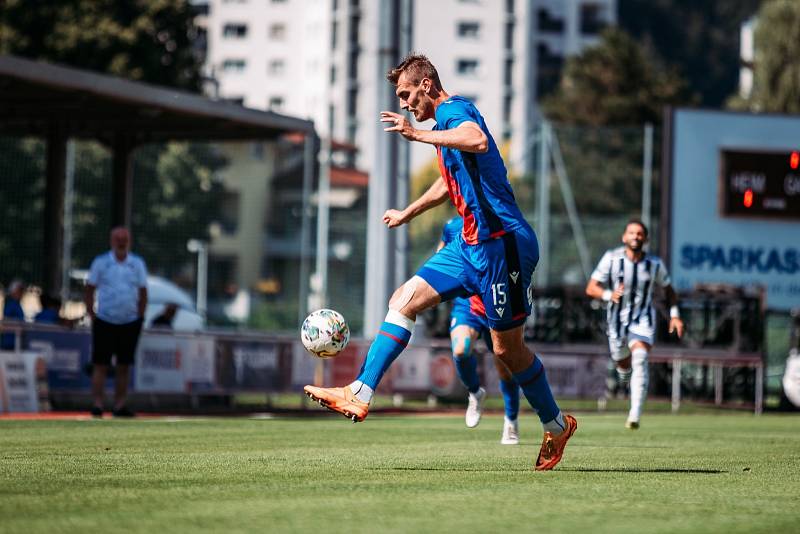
(23, 376)
(708, 248)
(167, 364)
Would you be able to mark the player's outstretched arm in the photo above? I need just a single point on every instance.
(435, 195)
(675, 322)
(467, 136)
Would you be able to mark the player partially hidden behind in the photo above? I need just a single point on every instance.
(467, 324)
(494, 256)
(625, 279)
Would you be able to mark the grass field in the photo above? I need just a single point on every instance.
(686, 473)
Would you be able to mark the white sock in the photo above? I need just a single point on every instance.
(556, 426)
(639, 381)
(362, 391)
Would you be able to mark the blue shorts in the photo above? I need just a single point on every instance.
(461, 314)
(498, 270)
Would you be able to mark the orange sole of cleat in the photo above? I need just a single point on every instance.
(353, 417)
(552, 463)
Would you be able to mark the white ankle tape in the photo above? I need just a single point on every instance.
(396, 318)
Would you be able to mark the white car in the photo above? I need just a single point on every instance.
(160, 293)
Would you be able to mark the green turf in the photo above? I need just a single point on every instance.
(686, 473)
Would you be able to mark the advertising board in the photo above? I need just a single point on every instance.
(732, 195)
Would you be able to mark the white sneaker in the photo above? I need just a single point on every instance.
(510, 432)
(475, 408)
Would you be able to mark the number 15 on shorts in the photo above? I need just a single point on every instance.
(499, 297)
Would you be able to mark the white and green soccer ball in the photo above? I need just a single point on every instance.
(325, 333)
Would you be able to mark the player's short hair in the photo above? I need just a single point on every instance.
(416, 67)
(640, 223)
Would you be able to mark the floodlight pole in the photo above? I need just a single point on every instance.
(647, 173)
(69, 199)
(404, 156)
(323, 221)
(201, 249)
(305, 228)
(543, 206)
(381, 260)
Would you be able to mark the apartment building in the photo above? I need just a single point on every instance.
(318, 58)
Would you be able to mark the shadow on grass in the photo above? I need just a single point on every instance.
(451, 469)
(643, 470)
(572, 469)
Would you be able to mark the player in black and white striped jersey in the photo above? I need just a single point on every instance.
(625, 279)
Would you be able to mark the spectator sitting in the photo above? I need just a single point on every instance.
(167, 316)
(51, 307)
(12, 309)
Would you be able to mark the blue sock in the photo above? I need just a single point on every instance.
(533, 382)
(510, 391)
(392, 338)
(467, 367)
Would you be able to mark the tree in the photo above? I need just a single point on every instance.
(614, 83)
(145, 40)
(175, 192)
(776, 74)
(175, 198)
(699, 38)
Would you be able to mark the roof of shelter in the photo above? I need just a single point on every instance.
(36, 96)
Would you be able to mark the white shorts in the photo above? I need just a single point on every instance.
(620, 346)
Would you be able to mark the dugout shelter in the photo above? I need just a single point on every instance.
(57, 103)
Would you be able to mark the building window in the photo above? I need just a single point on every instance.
(354, 22)
(352, 65)
(508, 74)
(509, 35)
(592, 21)
(333, 74)
(238, 100)
(507, 108)
(548, 23)
(277, 67)
(467, 67)
(352, 102)
(234, 31)
(549, 66)
(334, 34)
(469, 30)
(277, 31)
(510, 7)
(234, 65)
(275, 103)
(278, 1)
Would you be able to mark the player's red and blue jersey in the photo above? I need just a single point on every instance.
(477, 183)
(463, 306)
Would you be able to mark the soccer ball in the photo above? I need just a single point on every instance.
(325, 333)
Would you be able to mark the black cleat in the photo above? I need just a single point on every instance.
(123, 412)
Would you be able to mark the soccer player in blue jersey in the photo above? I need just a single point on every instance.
(494, 256)
(467, 324)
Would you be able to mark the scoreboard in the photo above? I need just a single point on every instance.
(731, 202)
(760, 184)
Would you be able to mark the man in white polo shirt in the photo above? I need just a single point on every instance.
(119, 278)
